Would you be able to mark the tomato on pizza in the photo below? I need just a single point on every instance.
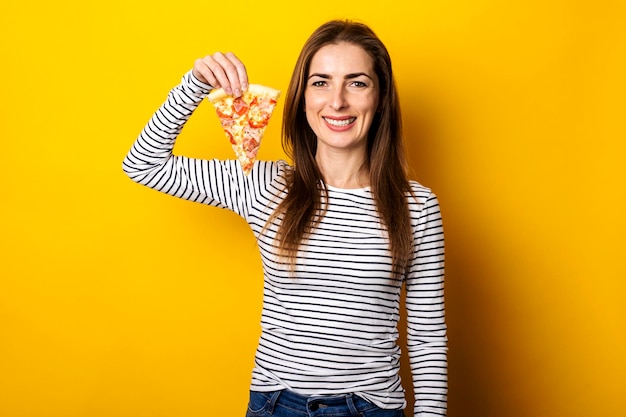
(244, 119)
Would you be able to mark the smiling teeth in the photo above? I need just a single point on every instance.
(340, 123)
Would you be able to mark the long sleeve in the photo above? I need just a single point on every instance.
(426, 335)
(153, 148)
(151, 162)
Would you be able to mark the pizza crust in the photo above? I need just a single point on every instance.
(218, 94)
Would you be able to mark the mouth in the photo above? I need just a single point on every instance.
(343, 122)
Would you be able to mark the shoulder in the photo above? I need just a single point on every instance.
(422, 200)
(419, 193)
(270, 173)
(277, 168)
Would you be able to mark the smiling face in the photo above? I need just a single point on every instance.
(341, 97)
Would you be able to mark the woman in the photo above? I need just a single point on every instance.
(339, 231)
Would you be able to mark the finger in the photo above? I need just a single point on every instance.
(233, 83)
(203, 72)
(219, 67)
(242, 73)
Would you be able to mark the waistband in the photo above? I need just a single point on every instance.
(343, 404)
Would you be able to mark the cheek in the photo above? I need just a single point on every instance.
(311, 120)
(375, 103)
(309, 103)
(310, 110)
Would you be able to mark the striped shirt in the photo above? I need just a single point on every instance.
(329, 327)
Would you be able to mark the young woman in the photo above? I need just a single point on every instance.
(340, 229)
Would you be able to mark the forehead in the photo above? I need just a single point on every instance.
(341, 58)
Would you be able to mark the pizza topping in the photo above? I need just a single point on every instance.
(224, 112)
(250, 145)
(239, 106)
(231, 139)
(260, 112)
(244, 119)
(227, 121)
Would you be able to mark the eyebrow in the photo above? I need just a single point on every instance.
(347, 77)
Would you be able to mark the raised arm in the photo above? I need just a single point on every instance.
(151, 162)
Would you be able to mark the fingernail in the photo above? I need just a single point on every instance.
(237, 92)
(228, 90)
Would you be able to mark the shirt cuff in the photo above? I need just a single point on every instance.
(196, 86)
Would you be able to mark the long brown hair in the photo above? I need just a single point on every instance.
(301, 209)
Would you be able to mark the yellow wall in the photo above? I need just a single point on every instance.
(118, 301)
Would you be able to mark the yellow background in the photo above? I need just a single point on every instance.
(118, 301)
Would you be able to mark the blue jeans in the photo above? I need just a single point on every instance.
(289, 404)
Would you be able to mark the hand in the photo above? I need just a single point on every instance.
(222, 71)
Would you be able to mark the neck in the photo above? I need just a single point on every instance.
(343, 171)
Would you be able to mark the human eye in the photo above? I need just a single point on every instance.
(318, 80)
(318, 83)
(359, 84)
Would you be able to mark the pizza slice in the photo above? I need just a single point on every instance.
(244, 119)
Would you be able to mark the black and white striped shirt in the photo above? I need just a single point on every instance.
(330, 327)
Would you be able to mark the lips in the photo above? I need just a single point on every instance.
(339, 123)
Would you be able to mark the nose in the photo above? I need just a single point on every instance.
(338, 99)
